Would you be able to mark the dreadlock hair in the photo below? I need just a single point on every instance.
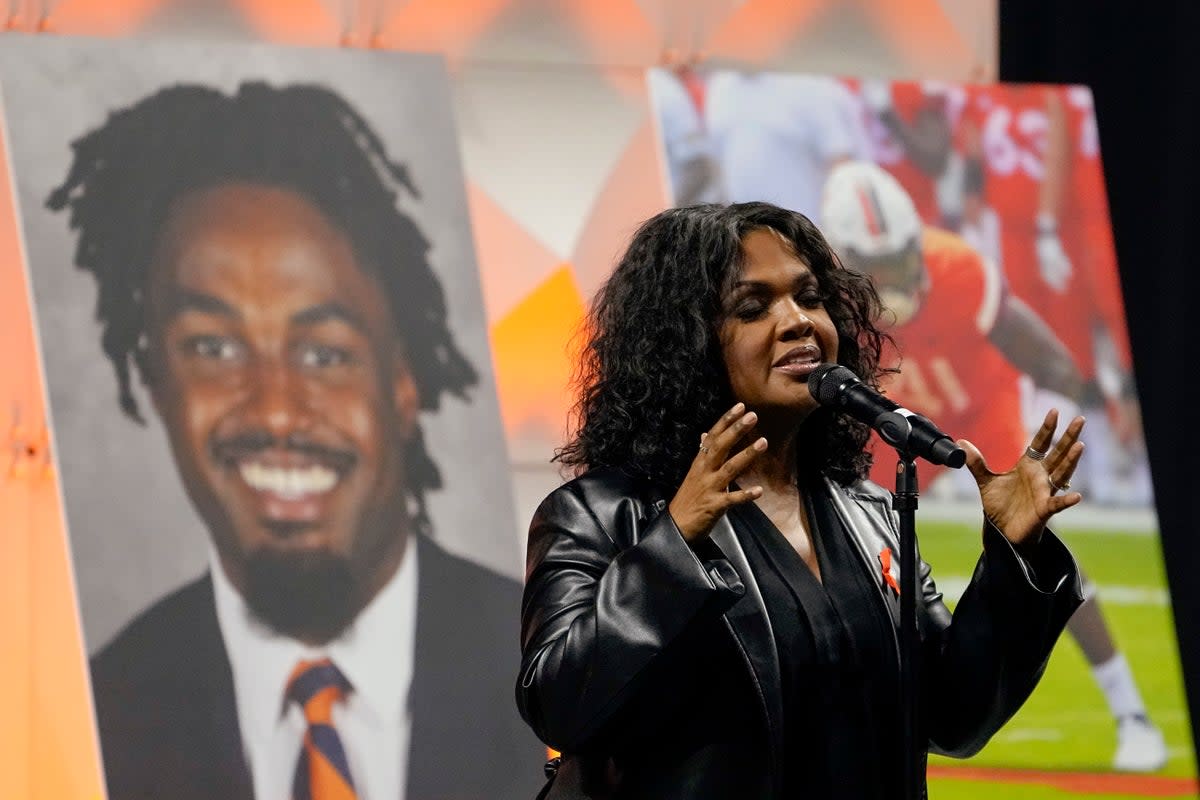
(127, 173)
(653, 376)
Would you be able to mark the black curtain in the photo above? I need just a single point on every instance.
(1142, 61)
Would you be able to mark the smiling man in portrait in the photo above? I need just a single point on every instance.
(255, 272)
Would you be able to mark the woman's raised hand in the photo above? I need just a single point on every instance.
(1020, 502)
(704, 494)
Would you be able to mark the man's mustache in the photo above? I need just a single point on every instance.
(248, 444)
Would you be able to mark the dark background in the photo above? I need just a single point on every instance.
(1142, 61)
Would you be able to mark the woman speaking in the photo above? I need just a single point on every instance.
(711, 607)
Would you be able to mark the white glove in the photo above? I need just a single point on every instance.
(1053, 262)
(877, 95)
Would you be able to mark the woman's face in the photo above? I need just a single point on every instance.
(776, 329)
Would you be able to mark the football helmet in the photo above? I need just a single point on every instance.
(872, 224)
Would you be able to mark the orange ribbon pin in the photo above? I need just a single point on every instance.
(885, 559)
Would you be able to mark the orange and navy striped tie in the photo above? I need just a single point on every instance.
(322, 772)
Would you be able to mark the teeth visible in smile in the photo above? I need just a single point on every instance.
(289, 482)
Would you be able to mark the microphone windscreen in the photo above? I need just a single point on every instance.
(824, 381)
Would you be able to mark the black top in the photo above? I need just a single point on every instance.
(837, 653)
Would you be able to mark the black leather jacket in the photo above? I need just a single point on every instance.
(611, 587)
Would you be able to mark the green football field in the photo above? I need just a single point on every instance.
(1065, 727)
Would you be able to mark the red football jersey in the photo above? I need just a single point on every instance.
(1012, 126)
(1085, 194)
(1015, 125)
(1086, 231)
(950, 370)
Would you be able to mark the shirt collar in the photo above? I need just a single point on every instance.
(375, 653)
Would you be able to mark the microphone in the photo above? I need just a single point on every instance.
(834, 385)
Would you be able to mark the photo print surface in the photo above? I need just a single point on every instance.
(980, 212)
(274, 416)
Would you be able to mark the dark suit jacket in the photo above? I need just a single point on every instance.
(619, 610)
(167, 715)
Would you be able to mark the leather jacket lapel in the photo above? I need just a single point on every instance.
(871, 531)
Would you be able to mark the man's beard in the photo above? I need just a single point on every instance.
(312, 597)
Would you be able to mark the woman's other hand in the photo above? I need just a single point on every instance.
(1020, 502)
(704, 494)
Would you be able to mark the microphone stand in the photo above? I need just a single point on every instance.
(911, 435)
(895, 429)
(904, 502)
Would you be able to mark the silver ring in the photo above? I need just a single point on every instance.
(1036, 455)
(1054, 488)
(703, 447)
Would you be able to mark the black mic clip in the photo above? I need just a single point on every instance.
(894, 428)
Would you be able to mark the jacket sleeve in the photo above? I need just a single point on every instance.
(982, 664)
(595, 617)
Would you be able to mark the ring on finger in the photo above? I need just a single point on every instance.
(1056, 488)
(703, 447)
(1036, 455)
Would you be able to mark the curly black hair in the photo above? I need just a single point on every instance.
(652, 377)
(128, 172)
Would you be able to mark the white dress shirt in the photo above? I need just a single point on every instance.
(375, 655)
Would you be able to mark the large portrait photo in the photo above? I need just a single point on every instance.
(274, 415)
